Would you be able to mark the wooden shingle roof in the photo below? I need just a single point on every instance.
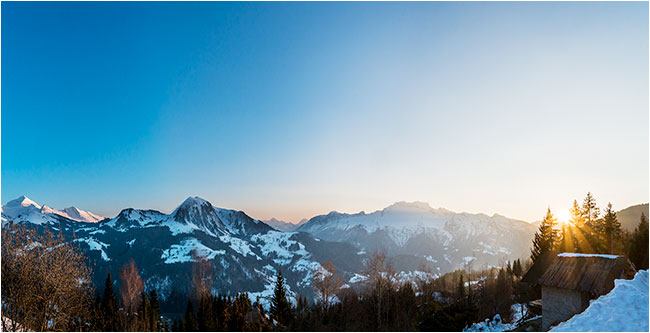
(593, 274)
(539, 267)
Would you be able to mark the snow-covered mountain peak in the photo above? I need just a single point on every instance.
(72, 210)
(409, 206)
(48, 210)
(81, 215)
(193, 207)
(444, 211)
(198, 212)
(24, 209)
(194, 202)
(22, 201)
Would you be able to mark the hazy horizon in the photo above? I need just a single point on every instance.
(291, 110)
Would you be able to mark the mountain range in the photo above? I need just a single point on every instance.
(244, 254)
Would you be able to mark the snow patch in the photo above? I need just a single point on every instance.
(623, 309)
(188, 251)
(494, 325)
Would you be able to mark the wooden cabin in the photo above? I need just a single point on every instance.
(570, 280)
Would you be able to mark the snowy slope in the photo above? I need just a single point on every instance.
(445, 240)
(623, 309)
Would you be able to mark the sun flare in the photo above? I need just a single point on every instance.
(563, 217)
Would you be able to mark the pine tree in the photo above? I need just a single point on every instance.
(206, 314)
(516, 268)
(592, 226)
(590, 211)
(241, 306)
(110, 306)
(461, 288)
(565, 239)
(144, 312)
(577, 223)
(503, 295)
(155, 311)
(190, 320)
(221, 309)
(181, 325)
(638, 249)
(611, 228)
(280, 307)
(544, 237)
(577, 218)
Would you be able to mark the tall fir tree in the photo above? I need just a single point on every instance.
(590, 210)
(190, 319)
(110, 306)
(461, 289)
(592, 227)
(638, 245)
(516, 268)
(544, 240)
(565, 237)
(155, 311)
(280, 307)
(611, 228)
(144, 313)
(573, 238)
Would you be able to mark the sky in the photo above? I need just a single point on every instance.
(291, 110)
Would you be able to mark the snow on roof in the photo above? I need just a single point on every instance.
(607, 256)
(591, 274)
(624, 309)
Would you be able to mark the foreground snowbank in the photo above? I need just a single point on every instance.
(624, 309)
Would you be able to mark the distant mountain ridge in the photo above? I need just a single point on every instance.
(283, 225)
(631, 216)
(415, 231)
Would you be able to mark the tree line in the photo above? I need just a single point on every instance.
(381, 303)
(590, 231)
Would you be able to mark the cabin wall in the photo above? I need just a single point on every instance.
(561, 304)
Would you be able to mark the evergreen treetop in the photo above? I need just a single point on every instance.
(280, 307)
(544, 237)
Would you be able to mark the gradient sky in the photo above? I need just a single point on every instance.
(296, 109)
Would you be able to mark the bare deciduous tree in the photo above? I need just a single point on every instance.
(326, 282)
(381, 278)
(131, 286)
(201, 276)
(46, 283)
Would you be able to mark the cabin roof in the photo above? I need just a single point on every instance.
(539, 267)
(593, 274)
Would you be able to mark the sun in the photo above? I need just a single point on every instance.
(563, 217)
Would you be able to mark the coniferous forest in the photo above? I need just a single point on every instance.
(45, 287)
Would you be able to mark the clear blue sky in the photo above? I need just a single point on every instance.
(295, 109)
